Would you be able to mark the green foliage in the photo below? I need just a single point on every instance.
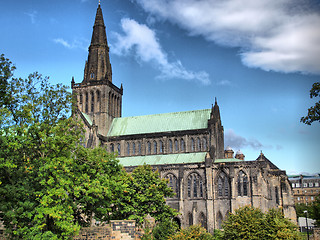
(250, 223)
(316, 210)
(6, 71)
(164, 229)
(193, 232)
(313, 112)
(312, 208)
(49, 184)
(144, 193)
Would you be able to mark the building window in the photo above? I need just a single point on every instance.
(293, 185)
(160, 146)
(182, 145)
(139, 148)
(297, 184)
(298, 198)
(98, 96)
(204, 140)
(312, 198)
(316, 184)
(190, 218)
(176, 146)
(173, 183)
(189, 187)
(92, 102)
(133, 148)
(149, 147)
(223, 185)
(198, 144)
(311, 184)
(202, 220)
(305, 184)
(119, 148)
(170, 146)
(111, 147)
(80, 98)
(277, 194)
(92, 75)
(87, 102)
(192, 145)
(242, 184)
(195, 188)
(154, 147)
(128, 149)
(201, 190)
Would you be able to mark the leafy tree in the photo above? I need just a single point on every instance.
(250, 223)
(313, 112)
(49, 184)
(144, 194)
(193, 232)
(316, 210)
(6, 70)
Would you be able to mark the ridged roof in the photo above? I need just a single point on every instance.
(166, 122)
(163, 159)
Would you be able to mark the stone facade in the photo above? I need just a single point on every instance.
(187, 148)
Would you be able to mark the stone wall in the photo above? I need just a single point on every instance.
(117, 229)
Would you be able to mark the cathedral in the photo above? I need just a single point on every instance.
(187, 148)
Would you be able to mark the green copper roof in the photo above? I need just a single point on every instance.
(87, 117)
(163, 159)
(165, 122)
(226, 160)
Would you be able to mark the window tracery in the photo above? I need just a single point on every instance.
(242, 184)
(195, 186)
(173, 183)
(223, 185)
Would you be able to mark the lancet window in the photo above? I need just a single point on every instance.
(242, 184)
(195, 186)
(223, 185)
(173, 183)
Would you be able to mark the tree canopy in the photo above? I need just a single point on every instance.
(314, 111)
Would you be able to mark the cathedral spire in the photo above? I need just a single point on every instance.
(98, 65)
(215, 111)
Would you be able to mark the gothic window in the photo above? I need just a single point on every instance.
(190, 218)
(182, 145)
(92, 75)
(119, 148)
(202, 220)
(98, 95)
(111, 147)
(198, 144)
(87, 102)
(173, 183)
(149, 147)
(139, 148)
(277, 195)
(242, 184)
(176, 145)
(170, 146)
(204, 144)
(92, 102)
(128, 149)
(133, 148)
(223, 185)
(160, 146)
(195, 186)
(154, 147)
(192, 145)
(80, 96)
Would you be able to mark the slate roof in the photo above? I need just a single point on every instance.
(181, 158)
(166, 122)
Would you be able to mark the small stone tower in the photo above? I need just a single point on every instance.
(216, 132)
(99, 101)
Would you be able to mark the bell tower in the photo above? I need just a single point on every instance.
(98, 100)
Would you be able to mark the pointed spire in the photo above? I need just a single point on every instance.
(215, 112)
(98, 65)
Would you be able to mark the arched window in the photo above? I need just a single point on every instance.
(119, 148)
(91, 75)
(80, 96)
(277, 194)
(223, 185)
(190, 219)
(195, 187)
(148, 147)
(98, 96)
(87, 102)
(202, 220)
(111, 147)
(139, 148)
(160, 146)
(192, 145)
(173, 183)
(204, 144)
(133, 148)
(242, 184)
(170, 146)
(198, 144)
(128, 149)
(182, 145)
(176, 145)
(154, 147)
(92, 102)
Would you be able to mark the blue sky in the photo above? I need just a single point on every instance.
(259, 58)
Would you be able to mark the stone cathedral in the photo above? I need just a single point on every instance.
(187, 148)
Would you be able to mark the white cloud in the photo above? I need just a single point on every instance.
(142, 40)
(280, 35)
(238, 142)
(32, 16)
(76, 43)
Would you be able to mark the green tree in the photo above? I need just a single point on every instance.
(250, 223)
(6, 71)
(49, 184)
(193, 232)
(316, 210)
(313, 112)
(144, 194)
